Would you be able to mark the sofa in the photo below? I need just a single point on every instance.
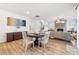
(61, 35)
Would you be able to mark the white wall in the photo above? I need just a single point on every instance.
(69, 15)
(78, 27)
(3, 24)
(72, 23)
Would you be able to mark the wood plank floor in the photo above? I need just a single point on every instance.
(54, 47)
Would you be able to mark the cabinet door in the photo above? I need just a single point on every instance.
(9, 37)
(17, 35)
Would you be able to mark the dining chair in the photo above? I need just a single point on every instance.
(44, 40)
(27, 40)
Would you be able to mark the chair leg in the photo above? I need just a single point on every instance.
(38, 44)
(33, 45)
(25, 48)
(44, 45)
(23, 45)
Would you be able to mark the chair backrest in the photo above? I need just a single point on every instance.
(24, 35)
(46, 37)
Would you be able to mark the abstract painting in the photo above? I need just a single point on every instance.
(15, 22)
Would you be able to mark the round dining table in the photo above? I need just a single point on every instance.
(36, 36)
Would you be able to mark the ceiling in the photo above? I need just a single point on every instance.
(44, 10)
